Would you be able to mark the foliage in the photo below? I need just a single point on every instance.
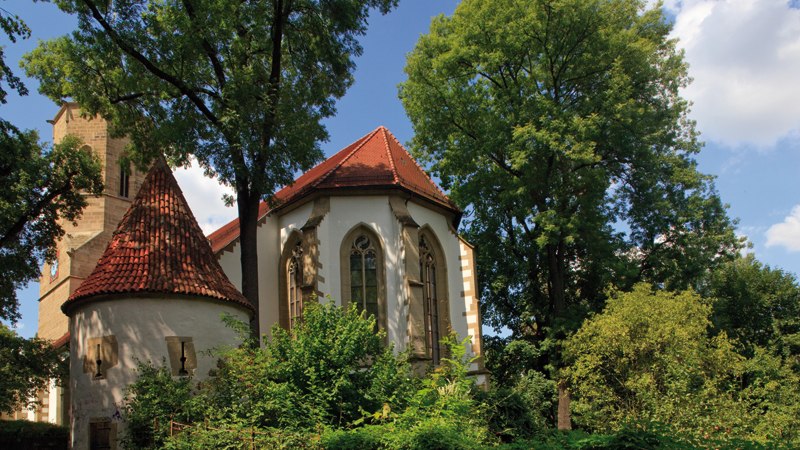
(651, 356)
(331, 370)
(522, 411)
(41, 189)
(27, 435)
(242, 86)
(633, 435)
(330, 383)
(557, 124)
(328, 370)
(757, 305)
(26, 367)
(153, 401)
(772, 392)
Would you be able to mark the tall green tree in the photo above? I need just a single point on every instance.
(42, 188)
(757, 305)
(558, 125)
(242, 85)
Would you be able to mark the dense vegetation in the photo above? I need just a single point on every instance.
(27, 435)
(649, 371)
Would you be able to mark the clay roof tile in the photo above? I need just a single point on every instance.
(158, 248)
(375, 160)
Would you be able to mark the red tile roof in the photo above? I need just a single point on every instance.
(158, 248)
(377, 160)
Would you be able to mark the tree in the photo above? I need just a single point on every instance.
(650, 356)
(26, 367)
(756, 305)
(42, 188)
(558, 126)
(242, 86)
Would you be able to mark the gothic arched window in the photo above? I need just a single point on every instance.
(291, 281)
(362, 273)
(434, 295)
(294, 277)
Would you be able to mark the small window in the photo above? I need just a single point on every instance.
(182, 356)
(124, 179)
(101, 355)
(102, 434)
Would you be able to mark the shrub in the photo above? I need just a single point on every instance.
(523, 410)
(25, 435)
(152, 401)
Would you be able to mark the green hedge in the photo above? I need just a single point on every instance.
(25, 435)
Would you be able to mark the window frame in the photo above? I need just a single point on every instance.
(288, 255)
(380, 262)
(441, 301)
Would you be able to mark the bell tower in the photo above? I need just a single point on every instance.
(84, 241)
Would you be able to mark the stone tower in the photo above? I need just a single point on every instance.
(86, 240)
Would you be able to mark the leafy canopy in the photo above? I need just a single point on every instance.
(559, 127)
(42, 188)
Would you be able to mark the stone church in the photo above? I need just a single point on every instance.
(135, 279)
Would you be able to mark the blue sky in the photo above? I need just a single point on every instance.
(745, 61)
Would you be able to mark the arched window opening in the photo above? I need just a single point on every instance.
(364, 275)
(427, 270)
(124, 179)
(362, 269)
(294, 277)
(436, 310)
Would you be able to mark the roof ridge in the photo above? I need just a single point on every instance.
(389, 154)
(416, 163)
(364, 139)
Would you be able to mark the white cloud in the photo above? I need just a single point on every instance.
(787, 233)
(744, 56)
(204, 196)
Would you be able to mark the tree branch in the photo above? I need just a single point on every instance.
(150, 66)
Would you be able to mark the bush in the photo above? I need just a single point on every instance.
(25, 435)
(523, 410)
(152, 401)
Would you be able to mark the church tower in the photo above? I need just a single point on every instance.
(85, 241)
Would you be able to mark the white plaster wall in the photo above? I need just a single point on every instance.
(268, 258)
(140, 326)
(451, 246)
(375, 213)
(53, 402)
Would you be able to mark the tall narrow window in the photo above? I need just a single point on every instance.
(363, 273)
(427, 270)
(294, 278)
(124, 179)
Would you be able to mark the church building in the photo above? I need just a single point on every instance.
(136, 279)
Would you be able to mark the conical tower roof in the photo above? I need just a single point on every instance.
(158, 248)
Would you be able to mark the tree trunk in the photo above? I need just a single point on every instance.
(555, 255)
(248, 226)
(564, 419)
